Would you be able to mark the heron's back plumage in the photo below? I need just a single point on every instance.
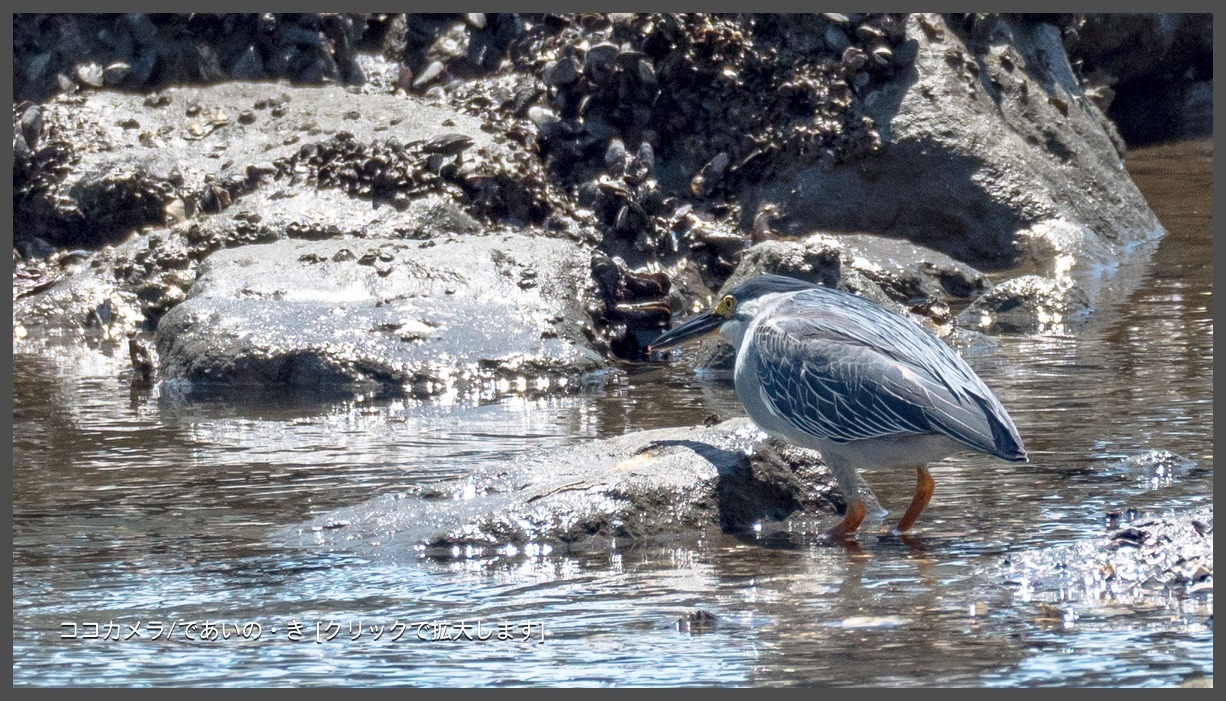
(842, 369)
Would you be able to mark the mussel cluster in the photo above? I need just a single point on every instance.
(432, 48)
(396, 172)
(160, 273)
(726, 98)
(722, 100)
(382, 170)
(101, 210)
(635, 306)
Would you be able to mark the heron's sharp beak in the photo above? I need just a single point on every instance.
(697, 327)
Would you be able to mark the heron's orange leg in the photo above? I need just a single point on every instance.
(924, 487)
(851, 521)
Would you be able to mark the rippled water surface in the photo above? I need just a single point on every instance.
(141, 509)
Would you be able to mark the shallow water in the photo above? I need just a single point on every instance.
(141, 509)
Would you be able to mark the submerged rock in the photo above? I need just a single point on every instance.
(1028, 304)
(422, 317)
(1142, 561)
(1154, 468)
(662, 483)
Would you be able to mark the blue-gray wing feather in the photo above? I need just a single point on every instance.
(843, 369)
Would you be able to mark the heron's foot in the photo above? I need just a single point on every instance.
(851, 521)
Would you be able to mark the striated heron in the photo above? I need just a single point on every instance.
(862, 385)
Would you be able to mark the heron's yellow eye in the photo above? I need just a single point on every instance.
(726, 306)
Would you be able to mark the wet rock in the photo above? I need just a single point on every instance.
(951, 174)
(911, 274)
(594, 128)
(95, 302)
(663, 483)
(696, 621)
(386, 314)
(1143, 561)
(89, 181)
(267, 216)
(143, 357)
(820, 259)
(1029, 304)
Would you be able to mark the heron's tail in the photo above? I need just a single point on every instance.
(1006, 442)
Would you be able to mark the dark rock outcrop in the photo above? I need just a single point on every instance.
(1151, 72)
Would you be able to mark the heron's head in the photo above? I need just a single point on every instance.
(732, 314)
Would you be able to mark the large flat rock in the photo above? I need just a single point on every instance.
(424, 317)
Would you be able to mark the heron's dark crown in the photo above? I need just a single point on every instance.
(756, 287)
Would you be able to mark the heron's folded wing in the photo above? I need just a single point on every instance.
(838, 387)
